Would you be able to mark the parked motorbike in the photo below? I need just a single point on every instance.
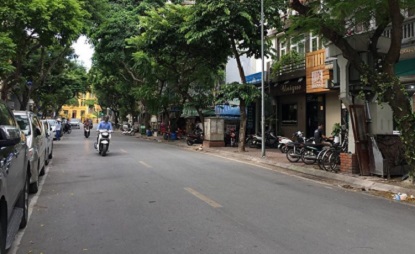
(296, 149)
(312, 150)
(129, 132)
(255, 141)
(87, 131)
(104, 137)
(282, 143)
(195, 138)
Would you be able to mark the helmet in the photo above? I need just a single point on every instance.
(58, 120)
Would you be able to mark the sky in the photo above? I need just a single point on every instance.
(84, 51)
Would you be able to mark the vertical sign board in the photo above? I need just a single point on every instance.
(359, 124)
(317, 74)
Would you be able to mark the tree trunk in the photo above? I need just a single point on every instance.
(242, 126)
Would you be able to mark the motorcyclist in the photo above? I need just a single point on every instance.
(87, 126)
(104, 125)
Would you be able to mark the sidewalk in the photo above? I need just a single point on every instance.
(273, 157)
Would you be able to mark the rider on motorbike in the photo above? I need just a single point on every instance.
(87, 127)
(104, 125)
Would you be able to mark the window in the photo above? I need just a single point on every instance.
(298, 45)
(314, 41)
(289, 114)
(283, 48)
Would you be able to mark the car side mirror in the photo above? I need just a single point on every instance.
(9, 135)
(38, 132)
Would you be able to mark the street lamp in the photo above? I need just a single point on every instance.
(262, 82)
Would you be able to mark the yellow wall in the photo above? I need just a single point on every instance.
(82, 111)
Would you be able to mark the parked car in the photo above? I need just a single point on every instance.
(52, 123)
(75, 123)
(14, 178)
(49, 140)
(36, 142)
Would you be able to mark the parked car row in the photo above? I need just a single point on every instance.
(26, 147)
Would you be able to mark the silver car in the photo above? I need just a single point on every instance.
(47, 128)
(36, 142)
(52, 123)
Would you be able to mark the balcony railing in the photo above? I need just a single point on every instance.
(408, 30)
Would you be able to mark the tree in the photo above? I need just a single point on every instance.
(40, 31)
(187, 70)
(233, 29)
(335, 22)
(246, 94)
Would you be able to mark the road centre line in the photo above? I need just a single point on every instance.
(203, 198)
(124, 151)
(145, 164)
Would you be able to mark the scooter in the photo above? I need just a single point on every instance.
(87, 131)
(104, 137)
(67, 128)
(129, 132)
(283, 143)
(195, 138)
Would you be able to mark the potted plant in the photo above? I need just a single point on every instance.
(337, 128)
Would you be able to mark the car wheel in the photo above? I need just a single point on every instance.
(46, 158)
(24, 202)
(34, 187)
(51, 154)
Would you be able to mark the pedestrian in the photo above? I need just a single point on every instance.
(58, 129)
(319, 137)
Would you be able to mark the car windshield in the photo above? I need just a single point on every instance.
(24, 124)
(74, 121)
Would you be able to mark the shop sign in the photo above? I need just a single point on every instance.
(288, 88)
(317, 79)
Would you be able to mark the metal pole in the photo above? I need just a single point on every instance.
(262, 82)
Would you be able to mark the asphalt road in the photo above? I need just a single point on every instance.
(149, 197)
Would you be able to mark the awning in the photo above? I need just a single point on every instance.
(227, 111)
(405, 67)
(191, 112)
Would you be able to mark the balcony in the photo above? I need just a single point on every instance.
(408, 31)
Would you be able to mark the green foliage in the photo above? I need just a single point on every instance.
(336, 130)
(246, 92)
(292, 59)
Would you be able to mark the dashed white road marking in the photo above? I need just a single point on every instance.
(145, 164)
(203, 198)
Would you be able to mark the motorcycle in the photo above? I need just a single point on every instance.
(67, 128)
(130, 132)
(195, 138)
(295, 149)
(311, 151)
(282, 143)
(87, 131)
(255, 141)
(104, 137)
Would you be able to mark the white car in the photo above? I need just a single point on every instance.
(31, 126)
(49, 140)
(75, 123)
(52, 123)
